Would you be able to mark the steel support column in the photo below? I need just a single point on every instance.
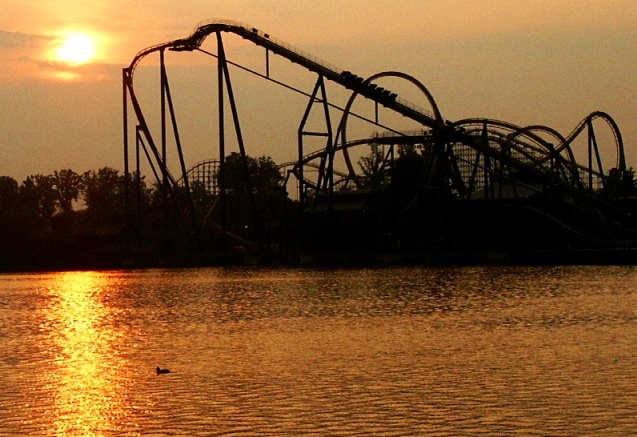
(592, 146)
(184, 171)
(221, 61)
(125, 134)
(223, 67)
(302, 133)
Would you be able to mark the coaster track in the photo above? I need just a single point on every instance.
(475, 158)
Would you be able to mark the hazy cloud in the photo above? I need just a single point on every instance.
(96, 72)
(16, 40)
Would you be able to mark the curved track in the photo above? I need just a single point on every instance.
(324, 69)
(474, 158)
(523, 144)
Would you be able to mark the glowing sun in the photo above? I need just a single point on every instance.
(76, 49)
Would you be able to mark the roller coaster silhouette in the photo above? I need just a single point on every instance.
(473, 189)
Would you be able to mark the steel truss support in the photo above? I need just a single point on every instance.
(224, 79)
(324, 173)
(593, 150)
(177, 203)
(125, 79)
(167, 99)
(156, 157)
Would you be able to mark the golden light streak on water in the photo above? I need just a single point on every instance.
(469, 351)
(84, 375)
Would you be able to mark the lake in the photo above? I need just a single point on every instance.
(441, 351)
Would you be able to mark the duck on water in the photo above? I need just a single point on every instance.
(161, 371)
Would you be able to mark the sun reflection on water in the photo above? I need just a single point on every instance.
(87, 376)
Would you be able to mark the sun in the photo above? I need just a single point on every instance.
(76, 49)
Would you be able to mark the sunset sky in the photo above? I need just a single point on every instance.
(548, 62)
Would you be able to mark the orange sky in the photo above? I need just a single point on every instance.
(528, 62)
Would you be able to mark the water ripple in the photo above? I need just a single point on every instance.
(393, 352)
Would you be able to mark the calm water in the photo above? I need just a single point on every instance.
(397, 351)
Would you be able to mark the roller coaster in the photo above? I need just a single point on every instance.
(470, 185)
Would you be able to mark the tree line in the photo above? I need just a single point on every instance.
(33, 205)
(45, 219)
(70, 219)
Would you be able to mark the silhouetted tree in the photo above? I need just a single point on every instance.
(9, 203)
(38, 201)
(8, 192)
(265, 177)
(201, 198)
(68, 186)
(12, 225)
(622, 183)
(140, 193)
(372, 167)
(47, 200)
(103, 193)
(266, 182)
(407, 176)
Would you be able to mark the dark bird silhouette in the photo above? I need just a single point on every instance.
(162, 371)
